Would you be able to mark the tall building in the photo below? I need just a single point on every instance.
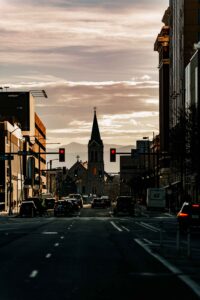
(11, 175)
(25, 178)
(95, 160)
(162, 46)
(192, 92)
(182, 19)
(184, 33)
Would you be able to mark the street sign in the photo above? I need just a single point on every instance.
(6, 157)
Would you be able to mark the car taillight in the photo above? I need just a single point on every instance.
(195, 205)
(183, 215)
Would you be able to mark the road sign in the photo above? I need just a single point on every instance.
(6, 157)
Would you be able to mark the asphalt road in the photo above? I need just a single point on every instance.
(91, 256)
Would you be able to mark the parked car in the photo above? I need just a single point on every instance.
(98, 202)
(74, 202)
(41, 210)
(124, 205)
(27, 209)
(78, 197)
(189, 216)
(62, 208)
(85, 199)
(49, 203)
(106, 200)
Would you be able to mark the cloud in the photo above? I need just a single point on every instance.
(78, 40)
(126, 109)
(85, 53)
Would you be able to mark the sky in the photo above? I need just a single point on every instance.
(85, 54)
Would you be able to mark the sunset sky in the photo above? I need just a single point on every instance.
(85, 54)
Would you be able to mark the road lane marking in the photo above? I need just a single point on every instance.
(49, 232)
(62, 237)
(114, 225)
(147, 226)
(125, 228)
(48, 255)
(56, 244)
(147, 241)
(33, 274)
(187, 280)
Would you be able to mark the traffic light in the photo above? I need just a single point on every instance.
(61, 154)
(112, 154)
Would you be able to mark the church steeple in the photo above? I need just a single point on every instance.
(95, 160)
(95, 135)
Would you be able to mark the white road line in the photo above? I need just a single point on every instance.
(33, 274)
(147, 226)
(49, 232)
(147, 241)
(48, 255)
(62, 237)
(187, 280)
(114, 225)
(125, 228)
(56, 244)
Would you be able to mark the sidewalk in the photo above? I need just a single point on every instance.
(5, 214)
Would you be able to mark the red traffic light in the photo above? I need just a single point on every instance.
(113, 154)
(61, 154)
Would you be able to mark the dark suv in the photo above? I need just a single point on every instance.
(124, 204)
(189, 216)
(27, 209)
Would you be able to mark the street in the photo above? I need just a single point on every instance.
(91, 255)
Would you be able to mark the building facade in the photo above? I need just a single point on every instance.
(26, 177)
(11, 166)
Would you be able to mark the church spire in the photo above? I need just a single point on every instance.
(95, 135)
